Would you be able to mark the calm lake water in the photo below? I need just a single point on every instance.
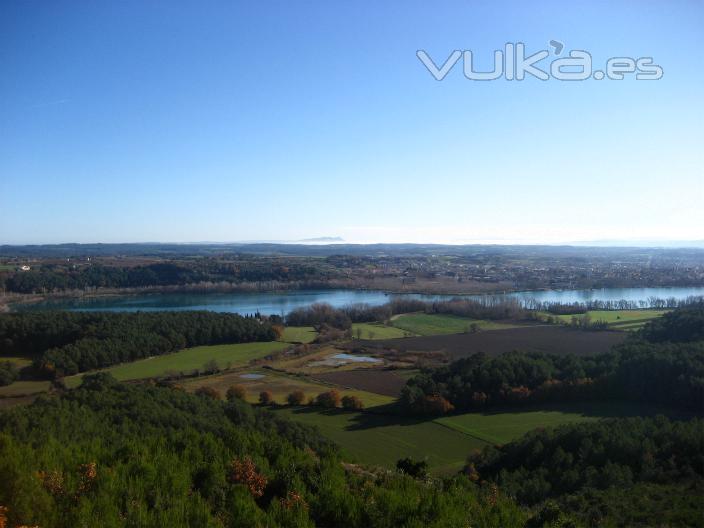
(283, 302)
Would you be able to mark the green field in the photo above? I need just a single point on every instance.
(378, 439)
(381, 440)
(437, 324)
(619, 319)
(299, 334)
(377, 331)
(504, 426)
(188, 360)
(23, 388)
(19, 362)
(280, 385)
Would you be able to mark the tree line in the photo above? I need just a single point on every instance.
(663, 364)
(55, 278)
(559, 308)
(65, 343)
(343, 317)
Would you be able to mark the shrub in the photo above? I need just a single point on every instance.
(296, 398)
(434, 405)
(236, 392)
(330, 399)
(209, 392)
(413, 468)
(266, 398)
(352, 403)
(278, 330)
(8, 373)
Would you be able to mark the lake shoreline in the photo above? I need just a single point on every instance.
(280, 300)
(9, 299)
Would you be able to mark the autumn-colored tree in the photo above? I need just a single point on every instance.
(517, 394)
(278, 330)
(266, 398)
(435, 405)
(329, 399)
(471, 471)
(296, 398)
(293, 500)
(236, 392)
(479, 399)
(209, 392)
(53, 481)
(243, 471)
(86, 477)
(352, 403)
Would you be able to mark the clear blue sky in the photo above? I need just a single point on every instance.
(282, 120)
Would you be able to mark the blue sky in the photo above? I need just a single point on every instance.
(282, 120)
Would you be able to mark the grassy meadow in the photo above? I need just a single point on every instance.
(299, 334)
(505, 425)
(19, 362)
(24, 388)
(280, 385)
(377, 331)
(188, 360)
(620, 319)
(445, 442)
(437, 324)
(381, 440)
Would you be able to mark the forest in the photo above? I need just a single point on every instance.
(113, 454)
(65, 343)
(616, 472)
(664, 364)
(55, 277)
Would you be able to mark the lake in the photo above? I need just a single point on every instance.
(283, 302)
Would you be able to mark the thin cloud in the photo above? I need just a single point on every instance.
(50, 103)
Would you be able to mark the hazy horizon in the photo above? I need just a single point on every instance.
(665, 244)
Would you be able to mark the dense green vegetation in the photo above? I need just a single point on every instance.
(678, 326)
(110, 454)
(65, 343)
(663, 372)
(131, 455)
(601, 471)
(8, 372)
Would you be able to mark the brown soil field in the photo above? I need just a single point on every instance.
(545, 338)
(385, 382)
